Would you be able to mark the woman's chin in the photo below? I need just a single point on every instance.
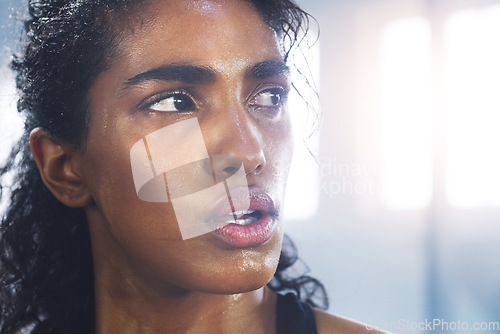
(242, 271)
(236, 287)
(237, 280)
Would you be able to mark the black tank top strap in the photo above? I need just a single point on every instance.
(294, 316)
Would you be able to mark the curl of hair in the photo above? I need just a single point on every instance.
(290, 277)
(46, 272)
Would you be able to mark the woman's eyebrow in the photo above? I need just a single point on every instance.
(194, 74)
(267, 69)
(190, 74)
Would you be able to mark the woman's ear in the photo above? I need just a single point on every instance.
(60, 169)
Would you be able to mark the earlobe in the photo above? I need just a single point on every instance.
(60, 170)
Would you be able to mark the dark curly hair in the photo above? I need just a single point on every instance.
(46, 270)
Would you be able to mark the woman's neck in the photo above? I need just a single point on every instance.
(192, 312)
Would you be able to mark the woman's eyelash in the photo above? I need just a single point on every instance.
(151, 101)
(275, 95)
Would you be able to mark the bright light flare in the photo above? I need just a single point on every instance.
(406, 169)
(472, 105)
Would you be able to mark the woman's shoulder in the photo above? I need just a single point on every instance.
(328, 323)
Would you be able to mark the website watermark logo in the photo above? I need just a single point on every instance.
(341, 178)
(435, 325)
(172, 165)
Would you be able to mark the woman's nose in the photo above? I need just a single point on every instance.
(236, 139)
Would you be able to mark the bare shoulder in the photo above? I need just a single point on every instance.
(328, 323)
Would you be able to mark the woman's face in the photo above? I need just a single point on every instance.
(212, 63)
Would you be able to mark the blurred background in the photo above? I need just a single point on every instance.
(403, 222)
(399, 216)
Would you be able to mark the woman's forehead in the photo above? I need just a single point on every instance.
(205, 7)
(225, 35)
(191, 11)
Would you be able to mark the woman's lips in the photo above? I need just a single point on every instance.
(250, 220)
(242, 236)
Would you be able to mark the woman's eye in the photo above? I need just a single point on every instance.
(178, 102)
(270, 98)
